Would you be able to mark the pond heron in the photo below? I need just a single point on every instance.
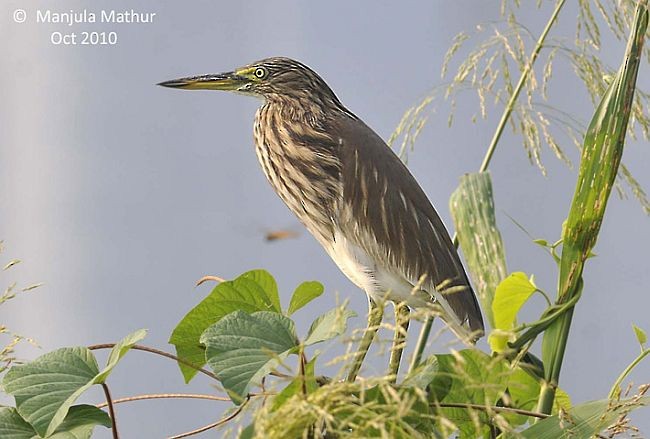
(355, 196)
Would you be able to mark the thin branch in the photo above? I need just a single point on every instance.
(275, 373)
(220, 422)
(515, 94)
(486, 408)
(179, 396)
(138, 347)
(166, 396)
(111, 411)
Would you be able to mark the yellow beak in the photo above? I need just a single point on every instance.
(229, 81)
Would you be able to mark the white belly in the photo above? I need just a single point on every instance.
(371, 276)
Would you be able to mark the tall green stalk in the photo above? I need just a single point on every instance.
(426, 327)
(601, 156)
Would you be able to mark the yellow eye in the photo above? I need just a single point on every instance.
(260, 72)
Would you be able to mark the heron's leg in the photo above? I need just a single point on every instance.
(399, 341)
(375, 315)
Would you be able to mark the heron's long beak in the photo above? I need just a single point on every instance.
(229, 81)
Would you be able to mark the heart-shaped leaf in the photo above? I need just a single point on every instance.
(46, 388)
(78, 424)
(242, 348)
(13, 426)
(255, 290)
(264, 279)
(510, 296)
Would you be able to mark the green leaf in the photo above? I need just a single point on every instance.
(242, 348)
(523, 391)
(562, 401)
(118, 351)
(423, 375)
(510, 296)
(440, 385)
(477, 377)
(252, 291)
(584, 420)
(13, 426)
(599, 165)
(248, 432)
(46, 388)
(264, 279)
(78, 424)
(472, 377)
(296, 385)
(601, 155)
(329, 325)
(417, 414)
(472, 209)
(641, 336)
(498, 340)
(305, 293)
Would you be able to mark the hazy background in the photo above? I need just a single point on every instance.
(119, 195)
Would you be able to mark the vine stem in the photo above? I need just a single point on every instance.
(626, 372)
(138, 347)
(426, 327)
(111, 411)
(216, 424)
(253, 395)
(209, 278)
(165, 396)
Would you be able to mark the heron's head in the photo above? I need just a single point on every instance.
(271, 79)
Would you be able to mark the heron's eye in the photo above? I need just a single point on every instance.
(260, 72)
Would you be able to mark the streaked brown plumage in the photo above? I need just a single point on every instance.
(351, 191)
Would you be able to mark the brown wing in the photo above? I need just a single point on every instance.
(387, 203)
